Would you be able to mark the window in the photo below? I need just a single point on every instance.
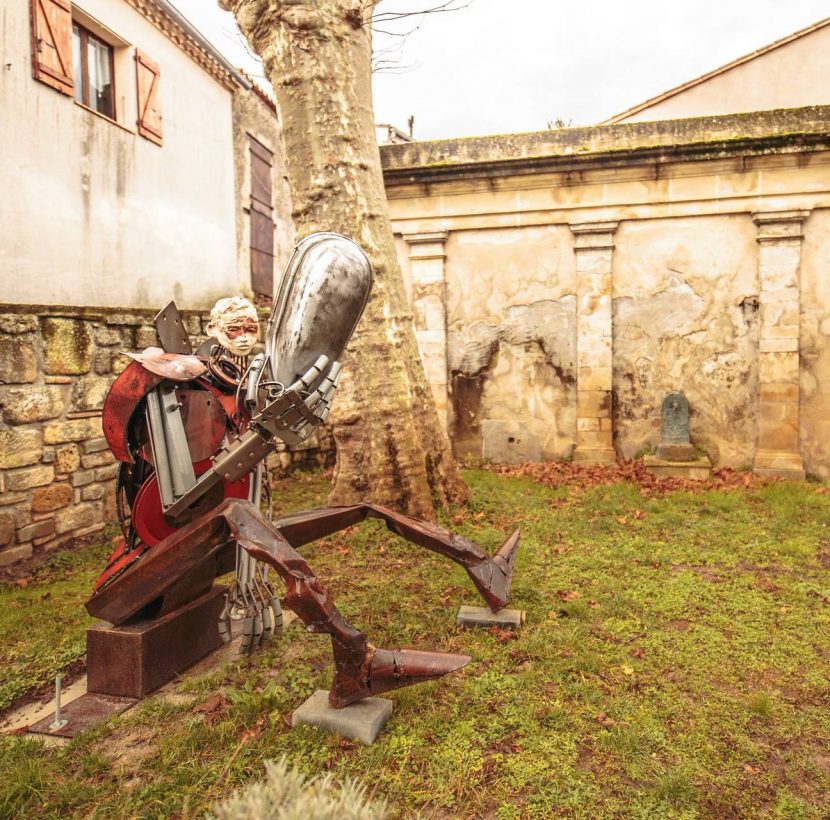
(93, 71)
(79, 56)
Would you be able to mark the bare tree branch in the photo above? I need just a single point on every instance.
(390, 19)
(448, 5)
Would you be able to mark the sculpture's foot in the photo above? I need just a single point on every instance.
(382, 670)
(494, 577)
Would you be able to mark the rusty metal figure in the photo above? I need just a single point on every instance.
(192, 431)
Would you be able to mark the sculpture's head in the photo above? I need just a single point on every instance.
(234, 324)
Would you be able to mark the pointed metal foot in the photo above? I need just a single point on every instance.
(494, 576)
(383, 670)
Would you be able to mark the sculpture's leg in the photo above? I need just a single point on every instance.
(491, 576)
(361, 670)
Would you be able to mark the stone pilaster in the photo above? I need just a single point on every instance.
(594, 248)
(779, 259)
(429, 311)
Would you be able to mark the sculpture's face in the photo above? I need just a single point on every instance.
(235, 325)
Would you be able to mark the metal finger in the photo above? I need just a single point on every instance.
(246, 644)
(267, 623)
(311, 375)
(276, 607)
(325, 390)
(257, 636)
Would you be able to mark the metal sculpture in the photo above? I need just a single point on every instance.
(192, 432)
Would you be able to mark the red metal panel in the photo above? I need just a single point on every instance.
(134, 383)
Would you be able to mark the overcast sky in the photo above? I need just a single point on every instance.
(501, 66)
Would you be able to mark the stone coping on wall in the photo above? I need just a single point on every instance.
(698, 138)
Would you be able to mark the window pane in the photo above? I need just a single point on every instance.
(76, 63)
(99, 59)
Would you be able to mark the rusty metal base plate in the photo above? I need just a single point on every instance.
(83, 713)
(133, 660)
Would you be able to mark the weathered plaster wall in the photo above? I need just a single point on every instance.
(591, 271)
(685, 314)
(511, 343)
(815, 344)
(93, 213)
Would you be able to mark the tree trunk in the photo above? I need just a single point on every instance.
(391, 448)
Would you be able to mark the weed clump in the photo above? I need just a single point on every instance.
(287, 794)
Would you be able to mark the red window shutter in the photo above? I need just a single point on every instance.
(52, 44)
(149, 104)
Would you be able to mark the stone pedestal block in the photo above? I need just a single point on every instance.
(362, 721)
(698, 469)
(676, 452)
(777, 464)
(136, 659)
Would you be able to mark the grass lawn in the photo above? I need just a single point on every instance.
(675, 663)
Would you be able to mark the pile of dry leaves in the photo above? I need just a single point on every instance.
(565, 473)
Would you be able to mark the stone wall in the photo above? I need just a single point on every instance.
(56, 471)
(57, 475)
(588, 272)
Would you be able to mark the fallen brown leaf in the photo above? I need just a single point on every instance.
(568, 594)
(251, 734)
(503, 635)
(211, 707)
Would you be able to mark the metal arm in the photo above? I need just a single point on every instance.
(287, 416)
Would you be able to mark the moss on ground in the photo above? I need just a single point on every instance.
(676, 663)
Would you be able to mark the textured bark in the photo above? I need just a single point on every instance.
(390, 446)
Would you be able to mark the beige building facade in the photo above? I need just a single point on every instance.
(790, 73)
(109, 208)
(137, 167)
(563, 282)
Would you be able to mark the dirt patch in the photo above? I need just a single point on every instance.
(705, 572)
(130, 749)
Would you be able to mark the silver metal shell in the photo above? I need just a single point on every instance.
(323, 292)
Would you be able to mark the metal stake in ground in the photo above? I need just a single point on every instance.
(58, 722)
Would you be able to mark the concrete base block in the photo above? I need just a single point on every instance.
(480, 617)
(361, 721)
(697, 470)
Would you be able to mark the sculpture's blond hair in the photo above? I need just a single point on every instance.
(231, 307)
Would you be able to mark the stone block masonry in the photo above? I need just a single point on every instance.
(57, 475)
